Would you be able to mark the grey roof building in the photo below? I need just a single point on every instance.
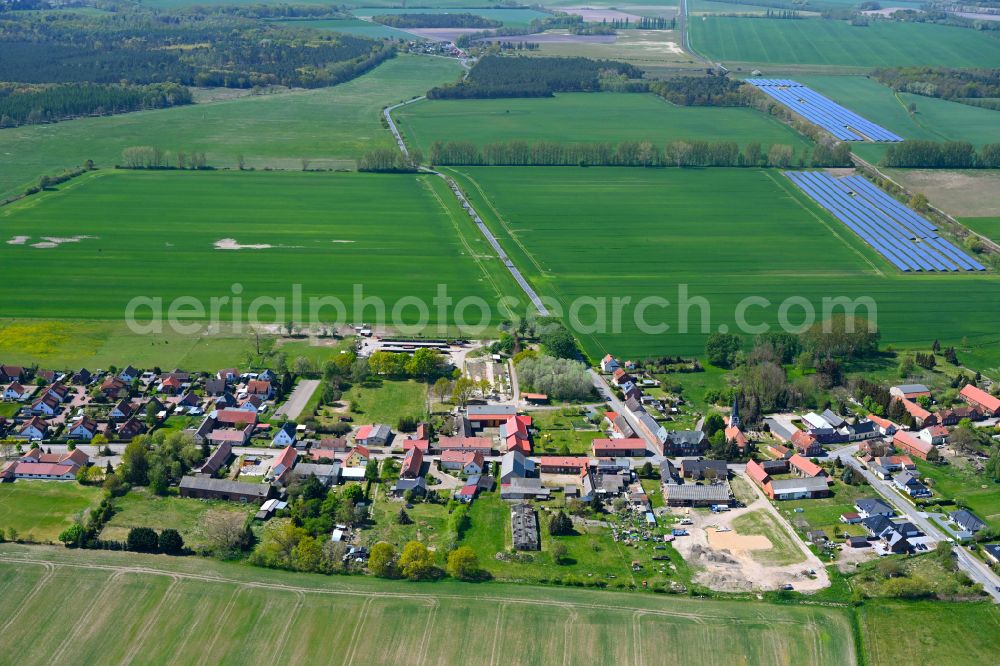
(328, 475)
(691, 494)
(204, 487)
(967, 520)
(514, 465)
(524, 527)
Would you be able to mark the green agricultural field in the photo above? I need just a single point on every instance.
(721, 234)
(837, 43)
(935, 119)
(396, 235)
(141, 508)
(586, 118)
(509, 17)
(783, 551)
(40, 510)
(183, 610)
(352, 26)
(958, 482)
(331, 127)
(963, 634)
(387, 402)
(987, 226)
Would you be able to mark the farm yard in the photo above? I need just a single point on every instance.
(839, 44)
(329, 127)
(586, 118)
(177, 608)
(172, 234)
(755, 236)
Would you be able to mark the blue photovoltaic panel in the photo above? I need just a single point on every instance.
(843, 123)
(904, 238)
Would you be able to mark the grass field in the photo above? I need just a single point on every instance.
(395, 235)
(987, 226)
(564, 427)
(935, 119)
(329, 126)
(724, 234)
(141, 508)
(656, 51)
(837, 43)
(387, 402)
(824, 514)
(962, 193)
(783, 550)
(352, 26)
(40, 510)
(961, 634)
(959, 482)
(188, 610)
(585, 118)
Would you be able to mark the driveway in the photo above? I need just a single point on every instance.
(296, 402)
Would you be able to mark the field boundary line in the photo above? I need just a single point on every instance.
(834, 232)
(567, 625)
(96, 603)
(242, 585)
(290, 620)
(221, 621)
(637, 638)
(425, 638)
(356, 634)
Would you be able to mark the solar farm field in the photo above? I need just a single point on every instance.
(170, 234)
(837, 43)
(935, 119)
(331, 127)
(585, 118)
(725, 234)
(188, 610)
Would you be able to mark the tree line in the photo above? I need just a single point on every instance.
(643, 23)
(710, 90)
(154, 157)
(20, 104)
(496, 76)
(681, 153)
(941, 155)
(942, 82)
(461, 20)
(390, 160)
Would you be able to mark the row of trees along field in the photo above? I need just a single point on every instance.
(495, 76)
(636, 154)
(943, 82)
(32, 104)
(462, 20)
(941, 155)
(710, 90)
(142, 46)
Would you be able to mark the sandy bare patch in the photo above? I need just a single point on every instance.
(959, 193)
(18, 240)
(49, 242)
(735, 542)
(342, 241)
(232, 244)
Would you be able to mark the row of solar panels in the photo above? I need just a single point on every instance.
(839, 121)
(904, 238)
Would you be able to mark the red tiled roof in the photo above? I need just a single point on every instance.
(481, 443)
(564, 461)
(258, 386)
(756, 472)
(227, 436)
(915, 410)
(906, 440)
(626, 444)
(43, 469)
(422, 444)
(363, 432)
(881, 422)
(456, 456)
(804, 465)
(236, 416)
(980, 397)
(412, 462)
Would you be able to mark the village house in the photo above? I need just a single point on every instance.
(260, 388)
(966, 520)
(215, 387)
(35, 464)
(609, 364)
(228, 375)
(252, 403)
(205, 487)
(806, 444)
(285, 435)
(130, 429)
(921, 416)
(488, 416)
(951, 417)
(683, 442)
(413, 463)
(514, 433)
(908, 483)
(886, 428)
(618, 426)
(282, 464)
(870, 507)
(633, 447)
(910, 391)
(805, 468)
(417, 486)
(45, 405)
(218, 458)
(980, 399)
(17, 392)
(34, 429)
(122, 410)
(468, 462)
(935, 435)
(84, 429)
(562, 464)
(128, 375)
(373, 435)
(482, 444)
(357, 457)
(12, 373)
(698, 470)
(910, 445)
(328, 475)
(413, 443)
(170, 385)
(113, 388)
(513, 465)
(82, 377)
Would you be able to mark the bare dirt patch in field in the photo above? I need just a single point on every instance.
(958, 193)
(598, 14)
(734, 542)
(18, 240)
(49, 242)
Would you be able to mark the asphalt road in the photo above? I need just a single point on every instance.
(298, 399)
(602, 386)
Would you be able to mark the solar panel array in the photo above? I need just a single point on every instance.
(905, 239)
(840, 122)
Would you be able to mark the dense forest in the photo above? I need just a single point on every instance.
(436, 21)
(952, 84)
(194, 47)
(31, 104)
(571, 22)
(495, 76)
(941, 155)
(712, 90)
(682, 153)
